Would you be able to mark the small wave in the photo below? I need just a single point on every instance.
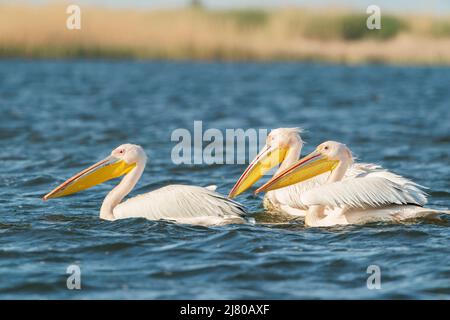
(399, 232)
(37, 181)
(439, 194)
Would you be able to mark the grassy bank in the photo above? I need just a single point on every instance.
(196, 33)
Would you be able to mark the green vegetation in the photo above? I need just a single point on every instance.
(67, 52)
(247, 18)
(353, 27)
(349, 27)
(316, 27)
(441, 29)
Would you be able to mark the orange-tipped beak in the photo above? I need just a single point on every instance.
(100, 172)
(268, 158)
(310, 166)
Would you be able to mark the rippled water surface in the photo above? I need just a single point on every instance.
(59, 117)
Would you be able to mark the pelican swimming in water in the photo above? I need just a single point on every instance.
(179, 203)
(374, 196)
(284, 145)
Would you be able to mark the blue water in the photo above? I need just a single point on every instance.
(59, 117)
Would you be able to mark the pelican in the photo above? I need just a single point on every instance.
(179, 203)
(284, 146)
(375, 196)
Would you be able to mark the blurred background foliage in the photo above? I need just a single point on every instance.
(197, 32)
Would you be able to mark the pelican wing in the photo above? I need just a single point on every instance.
(292, 195)
(370, 189)
(179, 202)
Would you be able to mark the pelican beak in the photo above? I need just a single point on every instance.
(107, 169)
(310, 166)
(268, 158)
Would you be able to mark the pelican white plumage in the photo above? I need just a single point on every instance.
(284, 145)
(179, 203)
(374, 196)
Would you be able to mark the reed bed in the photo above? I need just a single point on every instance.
(334, 35)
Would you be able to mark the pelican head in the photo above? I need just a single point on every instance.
(325, 158)
(121, 161)
(279, 144)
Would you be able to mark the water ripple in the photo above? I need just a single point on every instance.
(59, 117)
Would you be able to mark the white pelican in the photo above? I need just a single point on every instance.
(180, 203)
(374, 196)
(284, 145)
